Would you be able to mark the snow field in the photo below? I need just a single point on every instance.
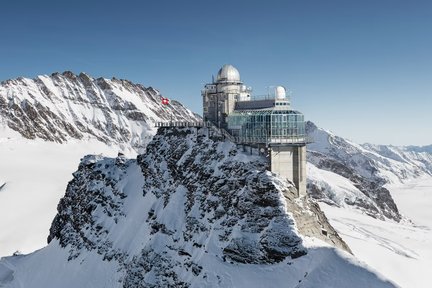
(399, 251)
(36, 174)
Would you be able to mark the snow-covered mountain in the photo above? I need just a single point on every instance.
(47, 124)
(416, 158)
(66, 106)
(192, 211)
(343, 173)
(353, 182)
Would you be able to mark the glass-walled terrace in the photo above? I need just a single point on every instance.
(267, 126)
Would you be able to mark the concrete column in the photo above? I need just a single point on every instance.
(290, 162)
(299, 168)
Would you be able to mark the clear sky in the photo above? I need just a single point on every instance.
(362, 69)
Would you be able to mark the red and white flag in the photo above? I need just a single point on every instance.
(165, 101)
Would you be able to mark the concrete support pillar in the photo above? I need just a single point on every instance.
(299, 168)
(290, 162)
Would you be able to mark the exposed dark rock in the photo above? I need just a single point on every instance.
(57, 108)
(343, 158)
(382, 202)
(227, 195)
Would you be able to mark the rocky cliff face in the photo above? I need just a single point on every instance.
(344, 173)
(47, 124)
(68, 106)
(365, 194)
(198, 196)
(193, 211)
(417, 159)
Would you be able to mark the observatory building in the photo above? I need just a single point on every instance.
(264, 122)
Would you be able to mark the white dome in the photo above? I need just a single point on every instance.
(228, 73)
(280, 92)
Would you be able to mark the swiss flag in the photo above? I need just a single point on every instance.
(165, 101)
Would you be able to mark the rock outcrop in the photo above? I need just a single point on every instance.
(192, 211)
(199, 193)
(359, 168)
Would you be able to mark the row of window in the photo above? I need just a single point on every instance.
(271, 119)
(266, 125)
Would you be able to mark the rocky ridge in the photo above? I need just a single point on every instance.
(193, 211)
(364, 172)
(66, 106)
(219, 196)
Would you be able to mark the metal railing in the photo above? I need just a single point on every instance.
(181, 124)
(273, 140)
(220, 132)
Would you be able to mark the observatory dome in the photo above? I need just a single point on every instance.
(280, 92)
(228, 73)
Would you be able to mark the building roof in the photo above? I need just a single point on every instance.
(228, 73)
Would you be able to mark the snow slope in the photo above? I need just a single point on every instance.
(47, 125)
(340, 190)
(418, 159)
(400, 251)
(366, 168)
(415, 200)
(36, 174)
(388, 164)
(321, 267)
(66, 106)
(192, 211)
(358, 186)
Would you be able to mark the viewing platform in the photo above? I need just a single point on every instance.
(182, 124)
(266, 140)
(274, 141)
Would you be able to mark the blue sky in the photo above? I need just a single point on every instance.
(362, 69)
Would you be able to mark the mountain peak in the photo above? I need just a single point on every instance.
(67, 106)
(70, 75)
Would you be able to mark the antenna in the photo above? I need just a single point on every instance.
(268, 90)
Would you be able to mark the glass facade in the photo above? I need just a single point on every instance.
(267, 126)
